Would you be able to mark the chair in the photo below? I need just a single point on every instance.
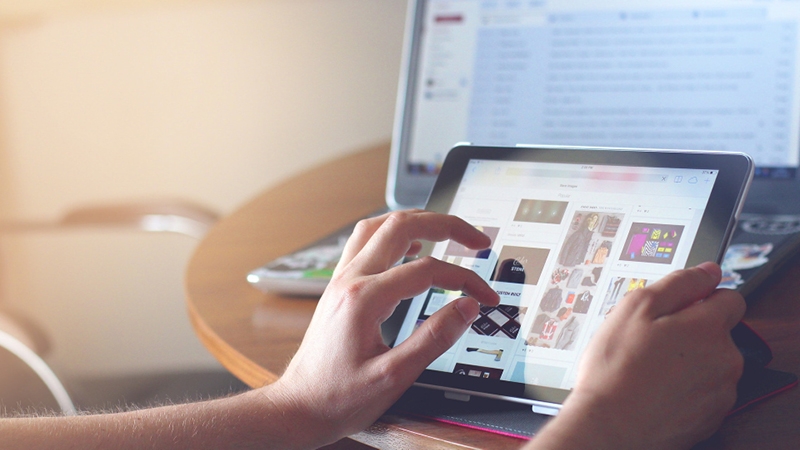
(20, 362)
(23, 343)
(172, 216)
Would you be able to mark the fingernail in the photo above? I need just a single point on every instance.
(710, 268)
(468, 308)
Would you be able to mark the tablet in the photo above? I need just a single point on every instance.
(573, 230)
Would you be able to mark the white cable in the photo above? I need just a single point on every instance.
(41, 368)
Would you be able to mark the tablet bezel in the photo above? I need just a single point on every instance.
(716, 227)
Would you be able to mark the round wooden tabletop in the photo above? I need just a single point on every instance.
(254, 335)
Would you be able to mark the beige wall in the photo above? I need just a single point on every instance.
(209, 101)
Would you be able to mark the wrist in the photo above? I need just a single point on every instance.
(292, 420)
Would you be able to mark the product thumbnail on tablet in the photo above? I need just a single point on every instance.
(569, 241)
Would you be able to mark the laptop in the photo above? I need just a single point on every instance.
(694, 75)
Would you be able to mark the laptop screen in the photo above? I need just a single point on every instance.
(700, 74)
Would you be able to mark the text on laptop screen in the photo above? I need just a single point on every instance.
(568, 242)
(704, 75)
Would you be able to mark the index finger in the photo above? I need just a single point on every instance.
(680, 289)
(362, 232)
(392, 239)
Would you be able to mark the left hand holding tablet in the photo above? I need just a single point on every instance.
(661, 372)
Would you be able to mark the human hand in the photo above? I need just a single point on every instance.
(661, 372)
(343, 376)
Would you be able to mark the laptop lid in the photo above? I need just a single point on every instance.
(700, 74)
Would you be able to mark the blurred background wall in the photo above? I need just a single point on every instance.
(210, 101)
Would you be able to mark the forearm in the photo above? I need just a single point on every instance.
(250, 420)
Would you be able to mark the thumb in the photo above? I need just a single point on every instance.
(437, 334)
(682, 288)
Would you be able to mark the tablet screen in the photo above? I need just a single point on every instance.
(569, 241)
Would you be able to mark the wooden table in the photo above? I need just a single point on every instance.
(254, 335)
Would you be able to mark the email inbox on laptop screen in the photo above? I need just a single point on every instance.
(702, 75)
(569, 242)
